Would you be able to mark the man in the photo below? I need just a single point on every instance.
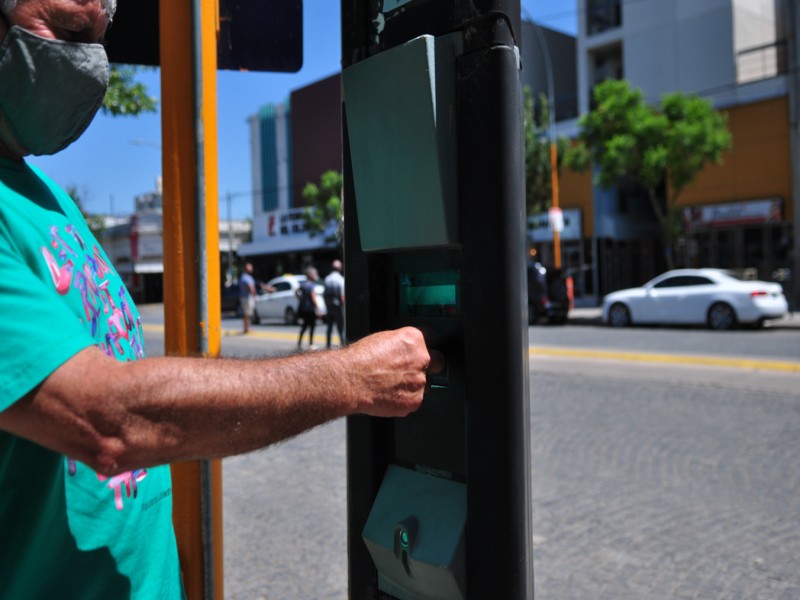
(85, 419)
(247, 295)
(334, 301)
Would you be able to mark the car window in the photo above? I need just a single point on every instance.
(683, 281)
(282, 286)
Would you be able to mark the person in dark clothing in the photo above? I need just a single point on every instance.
(307, 307)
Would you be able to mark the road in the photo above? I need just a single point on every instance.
(668, 477)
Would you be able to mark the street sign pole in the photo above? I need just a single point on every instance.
(191, 234)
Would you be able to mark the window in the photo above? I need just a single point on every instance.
(605, 63)
(683, 281)
(759, 40)
(602, 15)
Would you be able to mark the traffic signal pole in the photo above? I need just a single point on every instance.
(188, 30)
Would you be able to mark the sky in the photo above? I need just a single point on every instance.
(118, 158)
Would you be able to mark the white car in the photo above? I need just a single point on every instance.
(281, 303)
(695, 297)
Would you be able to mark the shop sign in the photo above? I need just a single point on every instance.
(729, 214)
(556, 219)
(542, 225)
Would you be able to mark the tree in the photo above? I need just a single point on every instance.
(630, 142)
(538, 179)
(324, 205)
(126, 97)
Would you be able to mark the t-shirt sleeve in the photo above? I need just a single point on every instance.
(38, 331)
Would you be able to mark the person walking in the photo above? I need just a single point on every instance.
(334, 301)
(247, 296)
(307, 307)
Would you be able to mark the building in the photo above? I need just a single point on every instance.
(740, 215)
(293, 144)
(548, 55)
(135, 245)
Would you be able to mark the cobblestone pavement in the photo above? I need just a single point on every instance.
(647, 487)
(665, 491)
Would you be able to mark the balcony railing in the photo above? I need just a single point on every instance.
(762, 62)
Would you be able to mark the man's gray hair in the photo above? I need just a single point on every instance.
(109, 6)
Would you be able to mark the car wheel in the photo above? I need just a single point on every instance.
(289, 317)
(619, 315)
(255, 319)
(721, 316)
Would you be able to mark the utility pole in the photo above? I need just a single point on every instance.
(556, 223)
(793, 46)
(228, 199)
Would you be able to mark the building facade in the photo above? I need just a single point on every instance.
(311, 122)
(134, 244)
(739, 215)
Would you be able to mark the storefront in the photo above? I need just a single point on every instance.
(751, 237)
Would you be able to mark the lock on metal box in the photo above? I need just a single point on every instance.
(415, 535)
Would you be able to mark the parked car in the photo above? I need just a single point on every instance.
(230, 300)
(281, 303)
(548, 294)
(695, 297)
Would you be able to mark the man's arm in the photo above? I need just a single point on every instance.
(117, 416)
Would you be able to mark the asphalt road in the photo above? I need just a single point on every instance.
(667, 477)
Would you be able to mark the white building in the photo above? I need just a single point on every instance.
(135, 246)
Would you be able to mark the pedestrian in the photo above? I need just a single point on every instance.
(307, 311)
(247, 295)
(334, 301)
(88, 424)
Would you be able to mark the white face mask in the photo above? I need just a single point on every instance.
(51, 91)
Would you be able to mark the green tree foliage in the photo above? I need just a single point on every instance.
(538, 180)
(630, 142)
(125, 96)
(324, 204)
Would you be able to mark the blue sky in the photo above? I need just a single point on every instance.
(119, 158)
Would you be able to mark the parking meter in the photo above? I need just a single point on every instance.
(439, 502)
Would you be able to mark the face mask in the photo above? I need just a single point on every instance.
(50, 91)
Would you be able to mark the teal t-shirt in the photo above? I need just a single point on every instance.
(66, 531)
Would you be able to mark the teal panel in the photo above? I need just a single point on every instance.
(415, 535)
(401, 109)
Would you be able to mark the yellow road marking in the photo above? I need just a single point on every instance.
(683, 359)
(647, 357)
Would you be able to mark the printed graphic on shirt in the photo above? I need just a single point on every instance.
(129, 480)
(78, 269)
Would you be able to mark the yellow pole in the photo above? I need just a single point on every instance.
(191, 234)
(554, 183)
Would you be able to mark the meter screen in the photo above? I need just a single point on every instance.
(431, 294)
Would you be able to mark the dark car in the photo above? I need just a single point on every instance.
(549, 294)
(230, 300)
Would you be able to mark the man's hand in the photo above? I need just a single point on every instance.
(391, 367)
